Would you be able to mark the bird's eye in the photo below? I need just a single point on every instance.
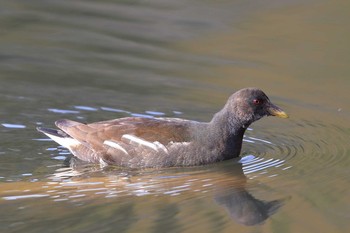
(257, 101)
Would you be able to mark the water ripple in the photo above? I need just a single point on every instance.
(309, 147)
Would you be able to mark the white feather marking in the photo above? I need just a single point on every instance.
(172, 119)
(161, 146)
(174, 145)
(140, 141)
(115, 146)
(103, 163)
(66, 142)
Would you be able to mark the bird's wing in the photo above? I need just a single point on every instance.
(127, 130)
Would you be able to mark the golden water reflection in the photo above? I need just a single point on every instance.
(225, 184)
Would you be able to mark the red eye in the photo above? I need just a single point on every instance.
(257, 101)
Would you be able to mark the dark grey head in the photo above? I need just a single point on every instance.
(250, 104)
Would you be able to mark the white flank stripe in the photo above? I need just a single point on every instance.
(161, 146)
(172, 119)
(66, 142)
(115, 146)
(174, 145)
(103, 163)
(140, 141)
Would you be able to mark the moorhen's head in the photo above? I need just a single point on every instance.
(250, 104)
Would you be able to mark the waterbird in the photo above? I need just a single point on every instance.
(139, 142)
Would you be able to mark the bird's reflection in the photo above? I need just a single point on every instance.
(242, 206)
(225, 182)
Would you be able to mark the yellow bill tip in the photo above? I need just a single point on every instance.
(280, 114)
(276, 111)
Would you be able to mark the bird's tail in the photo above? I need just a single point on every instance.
(59, 136)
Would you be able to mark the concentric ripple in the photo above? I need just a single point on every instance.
(307, 148)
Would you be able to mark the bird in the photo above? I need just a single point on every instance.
(141, 142)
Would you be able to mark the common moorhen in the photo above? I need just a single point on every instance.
(166, 142)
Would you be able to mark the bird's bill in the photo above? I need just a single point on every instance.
(276, 111)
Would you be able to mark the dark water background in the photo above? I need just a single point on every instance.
(97, 60)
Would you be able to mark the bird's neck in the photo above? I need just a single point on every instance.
(226, 133)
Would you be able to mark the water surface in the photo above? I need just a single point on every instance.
(97, 60)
